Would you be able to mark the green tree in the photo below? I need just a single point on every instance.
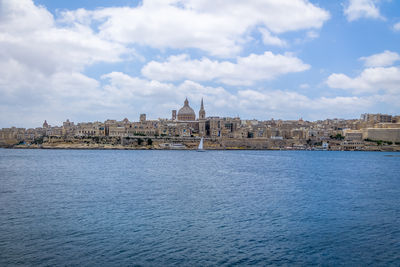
(337, 136)
(139, 141)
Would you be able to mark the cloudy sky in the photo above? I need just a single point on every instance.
(90, 60)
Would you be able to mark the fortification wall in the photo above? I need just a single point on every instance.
(385, 134)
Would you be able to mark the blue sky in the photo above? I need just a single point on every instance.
(93, 60)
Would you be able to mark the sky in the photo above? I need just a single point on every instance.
(93, 60)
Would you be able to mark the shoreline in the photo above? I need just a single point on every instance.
(191, 149)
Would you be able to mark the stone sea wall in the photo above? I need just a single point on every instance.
(171, 143)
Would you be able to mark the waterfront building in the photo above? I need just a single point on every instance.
(90, 129)
(143, 127)
(229, 132)
(353, 135)
(384, 134)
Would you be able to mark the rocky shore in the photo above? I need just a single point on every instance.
(191, 144)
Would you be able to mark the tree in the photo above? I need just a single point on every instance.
(337, 136)
(149, 141)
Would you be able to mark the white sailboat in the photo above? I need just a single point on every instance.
(200, 148)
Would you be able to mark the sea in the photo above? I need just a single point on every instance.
(184, 208)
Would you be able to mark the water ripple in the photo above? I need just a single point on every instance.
(227, 208)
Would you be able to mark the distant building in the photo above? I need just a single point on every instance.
(183, 124)
(376, 118)
(186, 113)
(353, 135)
(202, 112)
(142, 117)
(68, 124)
(173, 115)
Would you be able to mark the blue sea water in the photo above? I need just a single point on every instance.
(162, 208)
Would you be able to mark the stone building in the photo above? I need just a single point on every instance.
(90, 129)
(186, 113)
(228, 131)
(376, 118)
(353, 135)
(143, 127)
(384, 134)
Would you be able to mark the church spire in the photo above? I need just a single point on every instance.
(202, 112)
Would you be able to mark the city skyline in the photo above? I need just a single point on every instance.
(369, 132)
(185, 113)
(98, 60)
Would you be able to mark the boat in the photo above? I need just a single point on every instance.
(200, 148)
(172, 146)
(177, 146)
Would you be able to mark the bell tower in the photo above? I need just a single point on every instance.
(202, 112)
(202, 120)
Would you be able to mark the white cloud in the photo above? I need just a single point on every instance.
(371, 80)
(281, 104)
(42, 60)
(396, 27)
(217, 27)
(278, 16)
(378, 84)
(295, 102)
(41, 63)
(304, 86)
(14, 16)
(30, 36)
(29, 96)
(357, 9)
(269, 39)
(160, 98)
(245, 71)
(312, 35)
(387, 58)
(81, 98)
(121, 86)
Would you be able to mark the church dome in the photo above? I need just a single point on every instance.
(186, 113)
